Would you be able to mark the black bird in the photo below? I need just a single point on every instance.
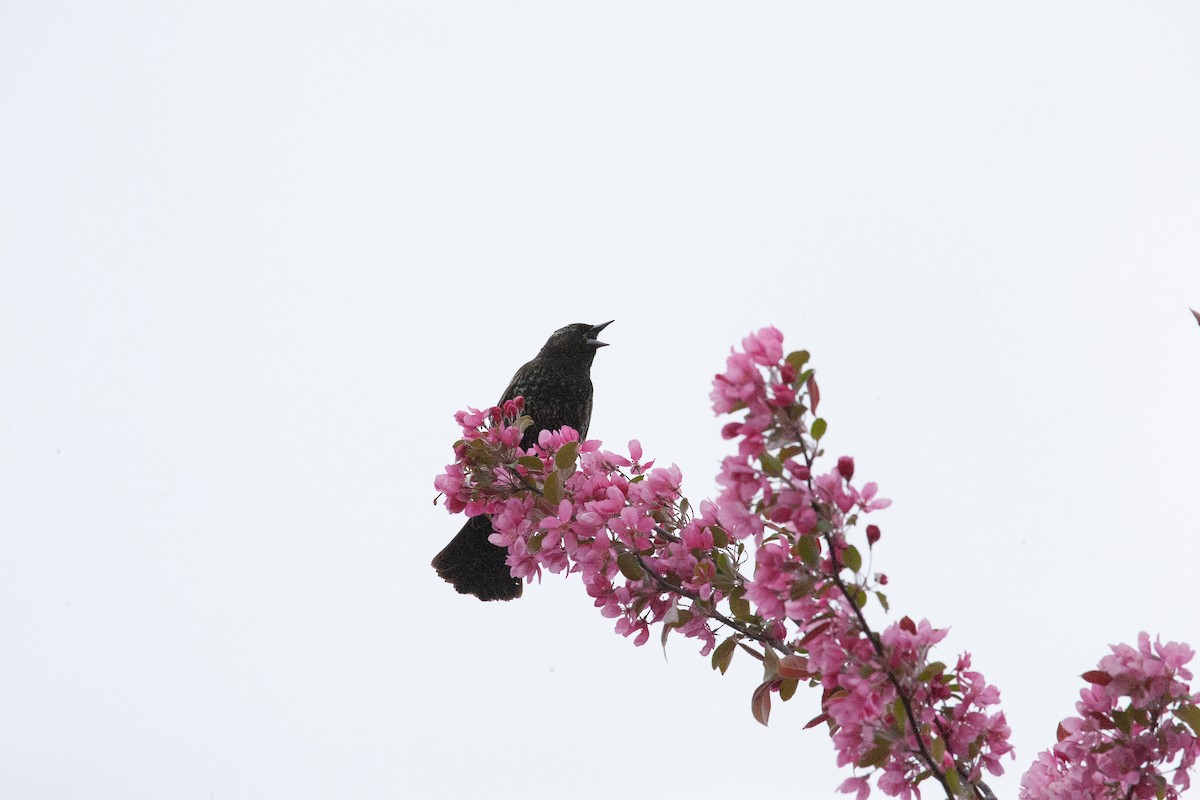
(557, 387)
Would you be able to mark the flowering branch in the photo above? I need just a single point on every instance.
(646, 558)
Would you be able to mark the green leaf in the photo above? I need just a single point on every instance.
(937, 749)
(900, 719)
(723, 655)
(877, 756)
(791, 451)
(818, 428)
(1140, 715)
(810, 550)
(883, 601)
(531, 463)
(852, 558)
(936, 668)
(954, 782)
(740, 607)
(1122, 721)
(771, 465)
(787, 688)
(630, 567)
(1191, 715)
(552, 489)
(770, 664)
(798, 359)
(720, 537)
(566, 455)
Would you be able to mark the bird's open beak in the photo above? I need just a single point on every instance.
(595, 331)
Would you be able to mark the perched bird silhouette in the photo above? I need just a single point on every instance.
(557, 387)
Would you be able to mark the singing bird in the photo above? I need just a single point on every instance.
(557, 387)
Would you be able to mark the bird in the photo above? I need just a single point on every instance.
(557, 387)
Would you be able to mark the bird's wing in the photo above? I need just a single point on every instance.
(518, 384)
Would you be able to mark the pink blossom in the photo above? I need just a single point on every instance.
(830, 490)
(471, 418)
(866, 501)
(765, 347)
(857, 785)
(740, 383)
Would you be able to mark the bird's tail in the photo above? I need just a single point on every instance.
(476, 566)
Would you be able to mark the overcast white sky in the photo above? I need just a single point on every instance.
(255, 255)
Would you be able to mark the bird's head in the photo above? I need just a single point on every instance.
(577, 340)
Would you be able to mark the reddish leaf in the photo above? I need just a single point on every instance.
(906, 624)
(750, 650)
(760, 703)
(1098, 676)
(1062, 732)
(1195, 314)
(794, 668)
(814, 633)
(814, 392)
(815, 721)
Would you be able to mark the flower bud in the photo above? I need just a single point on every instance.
(846, 467)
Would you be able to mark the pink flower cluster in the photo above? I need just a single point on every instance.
(566, 505)
(874, 697)
(808, 577)
(1138, 721)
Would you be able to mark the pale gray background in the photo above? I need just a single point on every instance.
(256, 254)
